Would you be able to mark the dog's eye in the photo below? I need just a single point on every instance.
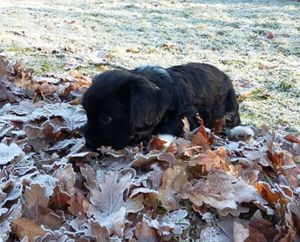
(105, 119)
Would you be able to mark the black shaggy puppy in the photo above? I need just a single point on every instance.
(125, 107)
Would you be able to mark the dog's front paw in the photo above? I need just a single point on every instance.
(241, 133)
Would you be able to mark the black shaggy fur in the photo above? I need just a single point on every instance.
(125, 107)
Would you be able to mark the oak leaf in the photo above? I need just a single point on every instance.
(173, 181)
(27, 228)
(109, 203)
(219, 190)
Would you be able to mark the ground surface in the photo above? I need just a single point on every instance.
(202, 187)
(257, 43)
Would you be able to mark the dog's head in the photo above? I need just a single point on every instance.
(122, 108)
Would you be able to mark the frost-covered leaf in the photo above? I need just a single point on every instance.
(9, 192)
(5, 128)
(27, 228)
(67, 143)
(107, 199)
(169, 225)
(73, 116)
(142, 160)
(206, 161)
(236, 229)
(97, 232)
(14, 212)
(213, 234)
(40, 137)
(8, 153)
(66, 178)
(219, 190)
(107, 196)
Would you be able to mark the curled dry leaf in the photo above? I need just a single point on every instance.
(9, 192)
(200, 138)
(292, 138)
(156, 144)
(145, 160)
(275, 196)
(292, 218)
(275, 155)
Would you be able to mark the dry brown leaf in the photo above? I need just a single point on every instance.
(292, 218)
(3, 66)
(156, 144)
(219, 190)
(76, 204)
(173, 181)
(186, 128)
(206, 161)
(59, 199)
(201, 138)
(274, 196)
(261, 230)
(155, 176)
(97, 232)
(144, 233)
(39, 137)
(66, 178)
(36, 207)
(292, 138)
(25, 227)
(275, 155)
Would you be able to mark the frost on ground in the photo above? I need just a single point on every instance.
(257, 43)
(199, 188)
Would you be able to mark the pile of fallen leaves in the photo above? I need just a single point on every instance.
(202, 187)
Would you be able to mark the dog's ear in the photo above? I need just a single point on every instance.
(148, 103)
